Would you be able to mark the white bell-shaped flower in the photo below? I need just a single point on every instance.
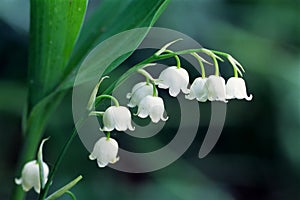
(31, 176)
(105, 151)
(236, 88)
(216, 88)
(117, 117)
(175, 79)
(152, 106)
(139, 91)
(198, 90)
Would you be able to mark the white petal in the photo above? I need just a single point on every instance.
(105, 150)
(108, 119)
(140, 91)
(174, 91)
(18, 181)
(198, 90)
(101, 164)
(138, 85)
(175, 79)
(216, 88)
(122, 118)
(129, 95)
(163, 86)
(184, 80)
(143, 110)
(26, 187)
(236, 88)
(115, 160)
(156, 113)
(37, 188)
(92, 156)
(117, 117)
(31, 177)
(153, 107)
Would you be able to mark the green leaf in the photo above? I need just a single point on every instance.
(127, 15)
(54, 28)
(64, 189)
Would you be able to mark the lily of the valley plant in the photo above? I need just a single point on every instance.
(176, 79)
(144, 96)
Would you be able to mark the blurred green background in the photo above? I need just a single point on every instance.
(258, 154)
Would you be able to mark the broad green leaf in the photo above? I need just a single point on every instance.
(132, 14)
(54, 28)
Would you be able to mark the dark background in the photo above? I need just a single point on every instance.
(258, 154)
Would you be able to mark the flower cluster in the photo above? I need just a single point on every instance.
(214, 88)
(144, 95)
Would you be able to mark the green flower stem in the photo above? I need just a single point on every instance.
(220, 53)
(147, 81)
(108, 135)
(178, 64)
(71, 195)
(96, 113)
(58, 161)
(237, 67)
(217, 71)
(132, 70)
(146, 74)
(214, 58)
(152, 59)
(235, 73)
(99, 98)
(200, 63)
(154, 89)
(92, 99)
